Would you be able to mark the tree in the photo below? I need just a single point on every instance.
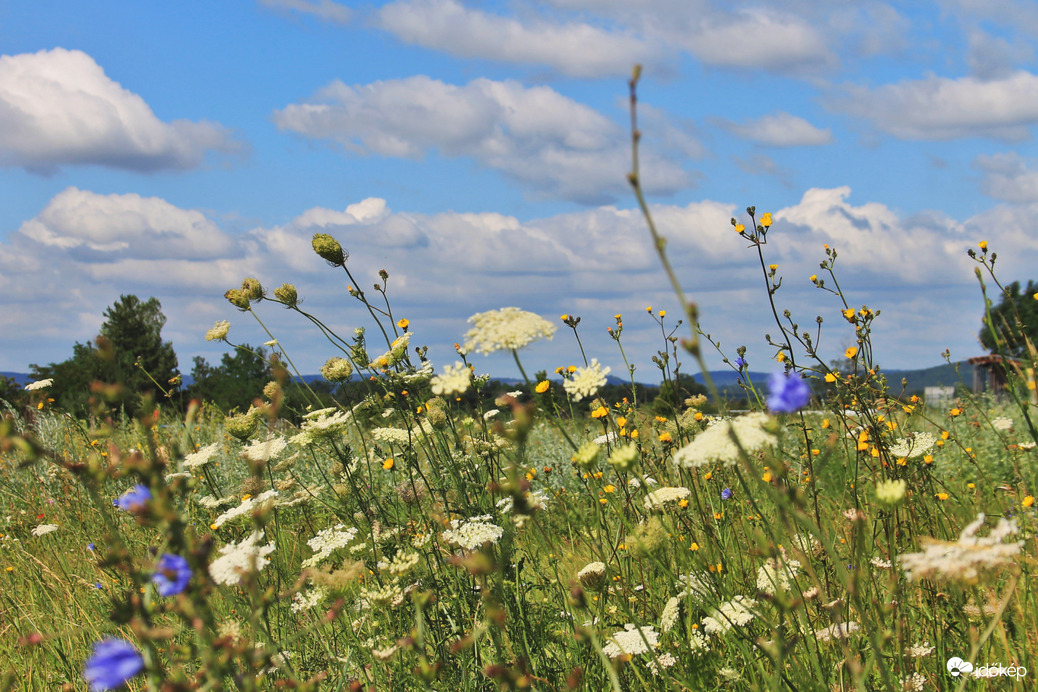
(1014, 318)
(130, 339)
(234, 383)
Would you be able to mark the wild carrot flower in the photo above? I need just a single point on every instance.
(966, 559)
(113, 662)
(505, 329)
(337, 370)
(592, 575)
(238, 559)
(658, 498)
(201, 457)
(631, 641)
(915, 446)
(171, 575)
(218, 332)
(454, 381)
(734, 613)
(43, 529)
(586, 381)
(840, 630)
(474, 532)
(39, 384)
(715, 443)
(789, 393)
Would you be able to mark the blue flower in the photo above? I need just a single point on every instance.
(133, 499)
(113, 662)
(90, 546)
(740, 362)
(172, 575)
(789, 393)
(726, 494)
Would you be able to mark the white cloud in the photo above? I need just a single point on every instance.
(573, 49)
(780, 130)
(59, 271)
(1008, 177)
(58, 108)
(939, 108)
(535, 135)
(323, 9)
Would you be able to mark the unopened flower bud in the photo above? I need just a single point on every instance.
(287, 294)
(329, 249)
(252, 289)
(242, 425)
(337, 370)
(237, 298)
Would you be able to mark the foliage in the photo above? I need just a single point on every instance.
(235, 382)
(1014, 320)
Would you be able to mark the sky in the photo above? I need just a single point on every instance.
(478, 152)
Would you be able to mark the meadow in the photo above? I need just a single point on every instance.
(841, 535)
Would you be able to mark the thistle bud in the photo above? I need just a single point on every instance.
(287, 294)
(329, 249)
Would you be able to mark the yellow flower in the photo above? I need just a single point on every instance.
(698, 416)
(388, 463)
(694, 546)
(718, 515)
(617, 316)
(983, 245)
(830, 378)
(648, 309)
(663, 313)
(739, 228)
(621, 421)
(610, 489)
(1027, 501)
(766, 477)
(772, 267)
(942, 496)
(403, 323)
(682, 504)
(634, 434)
(945, 434)
(563, 317)
(826, 424)
(765, 220)
(661, 419)
(955, 412)
(928, 459)
(851, 352)
(813, 278)
(600, 412)
(708, 475)
(571, 368)
(848, 314)
(542, 387)
(665, 437)
(603, 501)
(781, 357)
(971, 486)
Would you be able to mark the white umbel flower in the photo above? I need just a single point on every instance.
(239, 559)
(586, 381)
(715, 445)
(507, 329)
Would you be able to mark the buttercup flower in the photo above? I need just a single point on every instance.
(113, 662)
(171, 575)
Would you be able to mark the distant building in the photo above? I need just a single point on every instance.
(939, 397)
(991, 373)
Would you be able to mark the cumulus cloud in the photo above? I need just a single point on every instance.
(940, 108)
(1008, 176)
(58, 108)
(546, 141)
(572, 48)
(323, 9)
(779, 130)
(84, 249)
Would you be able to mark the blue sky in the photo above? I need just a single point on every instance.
(478, 150)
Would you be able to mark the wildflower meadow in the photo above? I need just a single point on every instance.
(837, 534)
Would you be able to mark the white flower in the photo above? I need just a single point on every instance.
(328, 541)
(201, 457)
(964, 560)
(592, 575)
(776, 575)
(660, 662)
(266, 450)
(39, 384)
(915, 446)
(698, 642)
(715, 443)
(472, 533)
(237, 559)
(840, 630)
(388, 436)
(657, 498)
(586, 381)
(891, 492)
(631, 641)
(247, 507)
(916, 682)
(313, 598)
(734, 613)
(920, 650)
(669, 616)
(1002, 423)
(218, 331)
(603, 439)
(43, 529)
(455, 380)
(505, 329)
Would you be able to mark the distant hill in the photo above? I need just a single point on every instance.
(727, 380)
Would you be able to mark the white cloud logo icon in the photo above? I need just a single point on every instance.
(956, 666)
